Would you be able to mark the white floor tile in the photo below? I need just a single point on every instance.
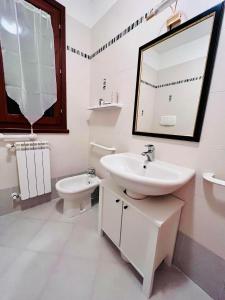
(6, 220)
(27, 276)
(19, 233)
(73, 279)
(40, 212)
(89, 267)
(85, 242)
(116, 281)
(170, 283)
(109, 251)
(51, 238)
(7, 258)
(89, 219)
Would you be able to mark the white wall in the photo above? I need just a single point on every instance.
(203, 217)
(69, 152)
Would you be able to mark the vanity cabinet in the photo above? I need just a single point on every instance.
(143, 230)
(111, 216)
(135, 231)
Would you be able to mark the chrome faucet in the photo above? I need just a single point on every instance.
(101, 102)
(91, 172)
(150, 153)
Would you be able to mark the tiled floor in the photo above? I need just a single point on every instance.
(44, 256)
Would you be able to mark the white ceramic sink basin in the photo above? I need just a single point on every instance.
(158, 178)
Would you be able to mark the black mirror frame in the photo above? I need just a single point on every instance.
(218, 10)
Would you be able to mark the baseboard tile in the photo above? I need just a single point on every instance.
(201, 265)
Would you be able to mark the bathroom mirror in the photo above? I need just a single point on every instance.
(173, 79)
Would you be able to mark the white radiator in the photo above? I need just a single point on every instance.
(33, 161)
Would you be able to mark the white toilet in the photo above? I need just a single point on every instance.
(76, 191)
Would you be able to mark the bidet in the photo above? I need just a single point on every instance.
(76, 191)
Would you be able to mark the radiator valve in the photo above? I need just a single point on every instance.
(11, 147)
(15, 196)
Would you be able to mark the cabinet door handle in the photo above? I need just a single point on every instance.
(118, 200)
(125, 206)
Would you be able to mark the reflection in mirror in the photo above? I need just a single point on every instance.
(170, 81)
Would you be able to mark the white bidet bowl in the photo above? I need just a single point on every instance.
(76, 191)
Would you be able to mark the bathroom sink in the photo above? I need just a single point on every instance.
(142, 179)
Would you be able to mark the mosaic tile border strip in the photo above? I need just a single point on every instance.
(149, 84)
(119, 36)
(172, 83)
(111, 42)
(78, 52)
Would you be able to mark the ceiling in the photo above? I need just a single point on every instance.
(87, 12)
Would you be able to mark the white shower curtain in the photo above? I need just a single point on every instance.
(27, 44)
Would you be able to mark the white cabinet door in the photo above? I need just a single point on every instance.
(135, 233)
(111, 216)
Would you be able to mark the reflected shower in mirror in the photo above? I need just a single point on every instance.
(170, 99)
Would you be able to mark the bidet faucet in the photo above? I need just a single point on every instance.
(91, 172)
(150, 153)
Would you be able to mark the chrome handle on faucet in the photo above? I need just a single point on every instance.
(150, 153)
(151, 148)
(91, 172)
